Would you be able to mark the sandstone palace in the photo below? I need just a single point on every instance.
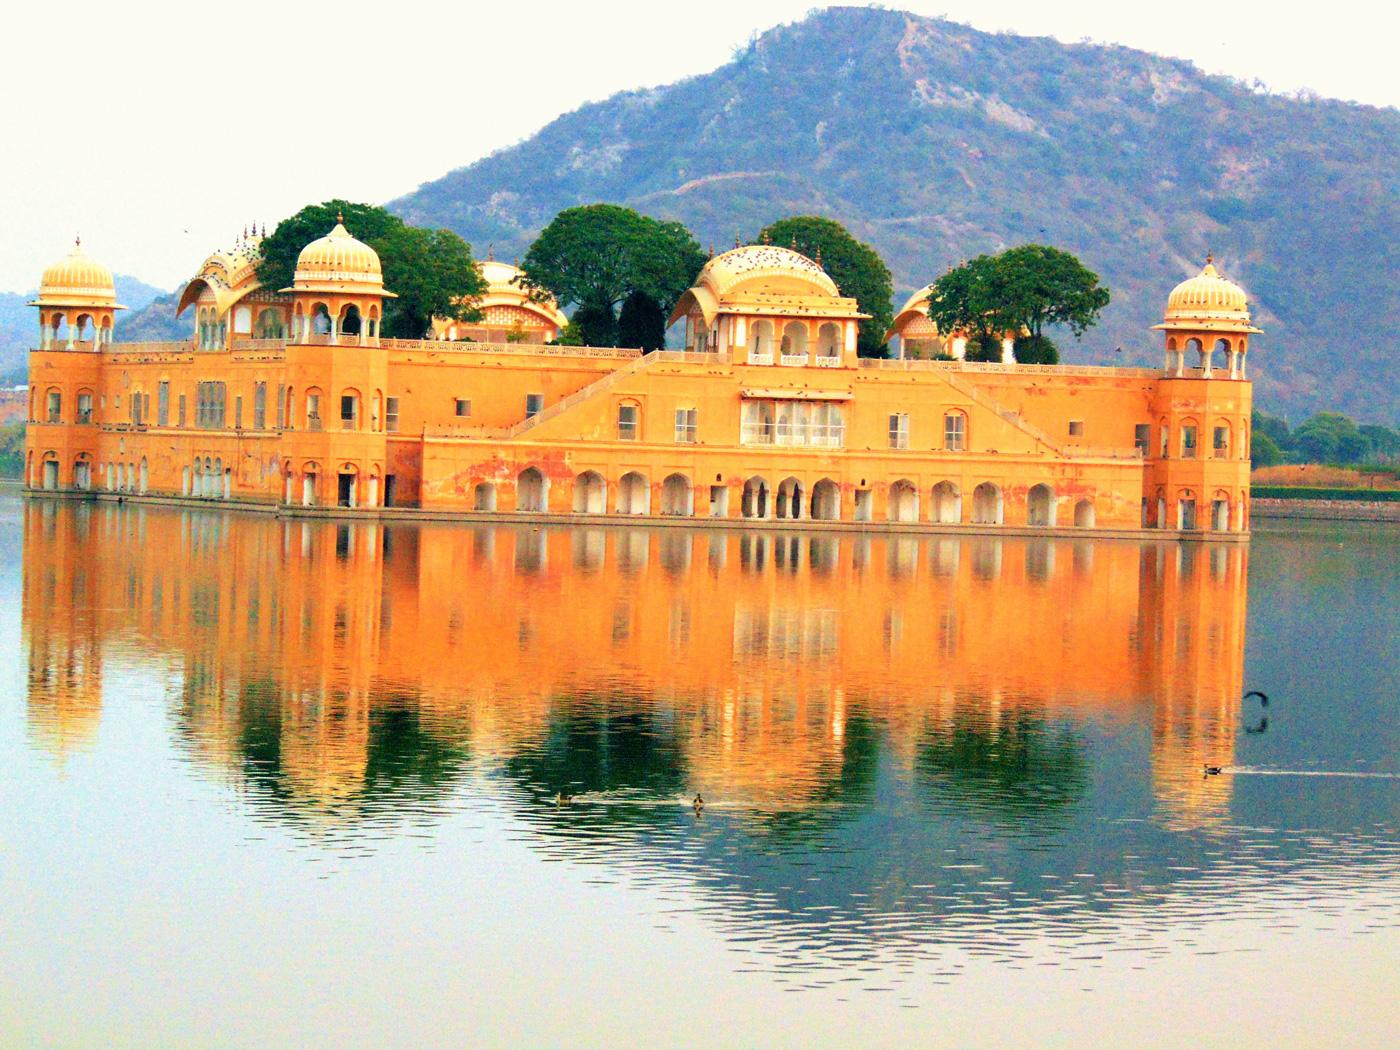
(289, 400)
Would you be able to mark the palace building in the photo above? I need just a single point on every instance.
(291, 400)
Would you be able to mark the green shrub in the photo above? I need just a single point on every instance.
(1352, 495)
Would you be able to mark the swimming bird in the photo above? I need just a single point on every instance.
(563, 800)
(1212, 771)
(1263, 698)
(699, 802)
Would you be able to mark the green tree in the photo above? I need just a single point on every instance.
(431, 271)
(1329, 437)
(433, 274)
(1383, 442)
(598, 256)
(965, 299)
(857, 269)
(1038, 286)
(12, 450)
(1273, 426)
(1264, 451)
(1035, 350)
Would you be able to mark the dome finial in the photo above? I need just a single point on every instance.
(736, 240)
(818, 258)
(491, 252)
(1210, 258)
(77, 240)
(339, 217)
(793, 245)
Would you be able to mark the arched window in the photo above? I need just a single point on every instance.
(270, 324)
(1220, 441)
(484, 496)
(590, 493)
(761, 342)
(829, 341)
(350, 320)
(1084, 514)
(794, 340)
(243, 320)
(320, 320)
(947, 503)
(532, 491)
(629, 421)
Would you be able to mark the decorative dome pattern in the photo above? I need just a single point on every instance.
(1207, 300)
(765, 264)
(77, 280)
(338, 262)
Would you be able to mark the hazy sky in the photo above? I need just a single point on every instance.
(158, 130)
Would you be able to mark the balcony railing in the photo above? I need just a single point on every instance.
(794, 435)
(827, 360)
(793, 360)
(760, 359)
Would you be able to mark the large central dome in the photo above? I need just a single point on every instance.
(769, 267)
(338, 262)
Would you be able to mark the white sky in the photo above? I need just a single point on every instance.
(158, 130)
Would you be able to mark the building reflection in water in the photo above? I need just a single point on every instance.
(335, 664)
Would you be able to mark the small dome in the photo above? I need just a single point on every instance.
(77, 280)
(767, 266)
(1208, 301)
(338, 262)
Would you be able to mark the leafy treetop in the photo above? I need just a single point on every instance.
(602, 257)
(856, 268)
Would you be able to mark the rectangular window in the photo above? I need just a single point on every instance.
(1188, 442)
(209, 405)
(1076, 428)
(1142, 436)
(1166, 441)
(391, 415)
(349, 410)
(281, 413)
(534, 405)
(464, 408)
(134, 407)
(238, 413)
(627, 422)
(954, 432)
(163, 404)
(260, 406)
(686, 424)
(820, 424)
(84, 408)
(180, 418)
(1221, 444)
(899, 430)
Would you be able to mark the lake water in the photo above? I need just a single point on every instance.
(267, 783)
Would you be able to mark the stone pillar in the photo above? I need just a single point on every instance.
(1180, 363)
(1207, 359)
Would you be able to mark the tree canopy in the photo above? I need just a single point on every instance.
(856, 268)
(1022, 290)
(431, 271)
(600, 258)
(1327, 437)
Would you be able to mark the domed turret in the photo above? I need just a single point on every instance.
(1204, 314)
(508, 310)
(769, 304)
(77, 291)
(338, 290)
(338, 262)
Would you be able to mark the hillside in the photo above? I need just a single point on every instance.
(934, 142)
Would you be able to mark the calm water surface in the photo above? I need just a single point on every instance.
(268, 783)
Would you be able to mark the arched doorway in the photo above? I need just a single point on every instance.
(987, 504)
(790, 497)
(947, 503)
(633, 494)
(1040, 506)
(826, 500)
(755, 499)
(677, 496)
(532, 491)
(1084, 514)
(590, 493)
(484, 496)
(903, 501)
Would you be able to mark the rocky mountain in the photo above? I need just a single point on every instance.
(934, 141)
